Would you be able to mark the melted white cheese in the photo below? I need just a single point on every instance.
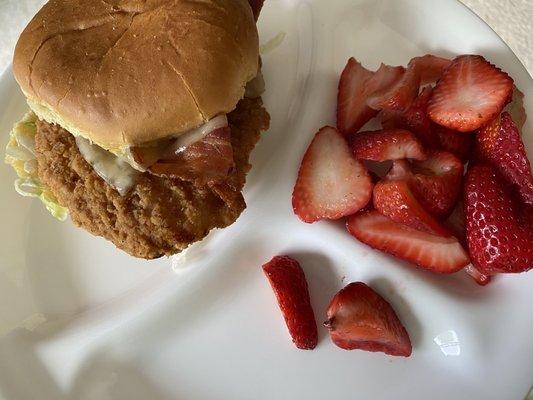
(116, 171)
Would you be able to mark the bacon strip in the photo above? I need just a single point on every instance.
(206, 161)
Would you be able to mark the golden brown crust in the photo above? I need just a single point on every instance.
(160, 216)
(129, 72)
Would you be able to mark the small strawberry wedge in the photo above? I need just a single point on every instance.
(400, 95)
(414, 119)
(393, 144)
(500, 143)
(439, 254)
(331, 182)
(498, 226)
(288, 282)
(394, 200)
(430, 67)
(359, 318)
(436, 182)
(458, 143)
(356, 85)
(470, 93)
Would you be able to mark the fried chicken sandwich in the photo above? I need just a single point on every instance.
(143, 116)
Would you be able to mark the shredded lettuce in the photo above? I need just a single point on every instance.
(20, 154)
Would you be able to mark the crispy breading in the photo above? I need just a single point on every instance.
(159, 216)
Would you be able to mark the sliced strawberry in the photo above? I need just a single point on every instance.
(436, 182)
(257, 6)
(415, 119)
(498, 228)
(435, 253)
(359, 318)
(477, 276)
(400, 95)
(394, 199)
(457, 143)
(430, 67)
(331, 182)
(355, 86)
(516, 108)
(393, 144)
(500, 143)
(288, 282)
(470, 94)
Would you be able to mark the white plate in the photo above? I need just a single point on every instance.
(80, 320)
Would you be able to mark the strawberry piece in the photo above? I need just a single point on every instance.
(414, 119)
(359, 318)
(498, 227)
(355, 86)
(393, 144)
(394, 199)
(516, 109)
(435, 253)
(478, 277)
(257, 6)
(436, 182)
(471, 93)
(457, 143)
(430, 67)
(500, 143)
(400, 95)
(288, 282)
(331, 182)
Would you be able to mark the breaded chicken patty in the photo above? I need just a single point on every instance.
(159, 216)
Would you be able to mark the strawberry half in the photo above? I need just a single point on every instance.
(435, 253)
(394, 199)
(393, 144)
(471, 93)
(359, 318)
(288, 282)
(356, 85)
(500, 143)
(498, 228)
(331, 182)
(436, 182)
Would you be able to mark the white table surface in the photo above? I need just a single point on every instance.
(511, 19)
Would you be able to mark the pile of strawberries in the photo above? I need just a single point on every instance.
(423, 208)
(404, 191)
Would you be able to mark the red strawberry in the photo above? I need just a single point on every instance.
(256, 5)
(457, 143)
(386, 144)
(359, 318)
(435, 253)
(394, 199)
(477, 276)
(414, 119)
(288, 282)
(498, 228)
(516, 108)
(500, 143)
(355, 86)
(331, 182)
(436, 182)
(470, 94)
(398, 96)
(430, 67)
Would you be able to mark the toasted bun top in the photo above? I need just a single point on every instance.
(127, 72)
